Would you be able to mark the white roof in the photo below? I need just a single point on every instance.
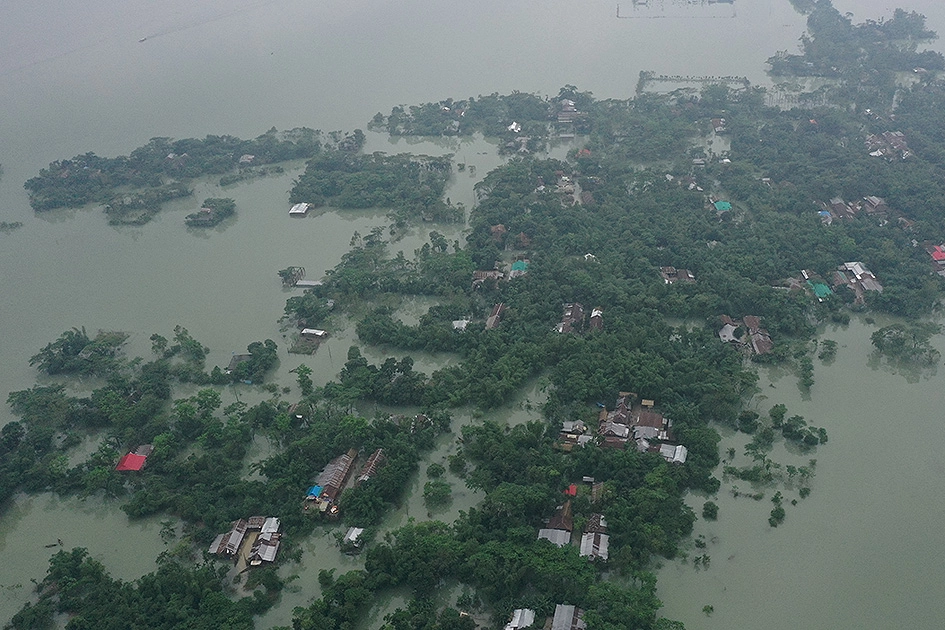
(309, 283)
(270, 525)
(353, 534)
(673, 453)
(565, 617)
(559, 537)
(314, 331)
(460, 324)
(215, 545)
(727, 333)
(267, 546)
(521, 618)
(299, 208)
(595, 545)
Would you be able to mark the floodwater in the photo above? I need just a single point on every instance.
(864, 550)
(74, 77)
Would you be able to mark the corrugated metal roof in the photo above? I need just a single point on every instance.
(595, 545)
(559, 537)
(521, 618)
(568, 617)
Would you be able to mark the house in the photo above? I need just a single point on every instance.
(567, 617)
(246, 158)
(519, 268)
(596, 523)
(265, 546)
(481, 277)
(460, 324)
(299, 209)
(722, 206)
(875, 205)
(353, 537)
(595, 545)
(573, 433)
(673, 453)
(498, 232)
(757, 337)
(372, 465)
(228, 544)
(596, 322)
(331, 481)
(557, 537)
(890, 145)
(559, 527)
(718, 125)
(135, 461)
(314, 333)
(521, 618)
(671, 275)
(562, 518)
(571, 319)
(235, 360)
(496, 316)
(860, 279)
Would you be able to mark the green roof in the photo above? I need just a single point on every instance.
(723, 206)
(519, 265)
(820, 289)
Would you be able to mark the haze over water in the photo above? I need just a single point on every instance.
(865, 548)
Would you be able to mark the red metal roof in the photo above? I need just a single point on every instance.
(572, 490)
(131, 462)
(938, 253)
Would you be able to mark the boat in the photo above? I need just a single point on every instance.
(142, 39)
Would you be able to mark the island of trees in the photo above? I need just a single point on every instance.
(665, 243)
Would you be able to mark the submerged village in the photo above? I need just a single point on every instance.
(685, 238)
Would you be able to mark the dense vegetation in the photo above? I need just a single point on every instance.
(596, 229)
(410, 185)
(133, 187)
(176, 596)
(865, 57)
(212, 211)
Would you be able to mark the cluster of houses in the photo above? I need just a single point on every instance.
(648, 429)
(520, 143)
(890, 145)
(258, 536)
(572, 319)
(810, 282)
(567, 117)
(856, 276)
(672, 275)
(518, 268)
(756, 339)
(595, 542)
(838, 209)
(324, 493)
(566, 617)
